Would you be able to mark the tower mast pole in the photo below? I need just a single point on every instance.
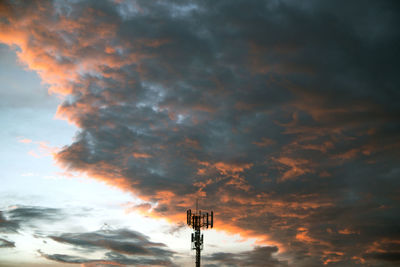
(198, 247)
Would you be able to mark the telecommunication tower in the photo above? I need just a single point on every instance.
(197, 221)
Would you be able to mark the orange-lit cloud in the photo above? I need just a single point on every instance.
(294, 168)
(25, 140)
(141, 155)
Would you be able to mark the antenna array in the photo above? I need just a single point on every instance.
(198, 221)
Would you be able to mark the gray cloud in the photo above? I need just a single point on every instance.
(33, 216)
(22, 213)
(120, 241)
(6, 244)
(115, 260)
(259, 256)
(63, 258)
(14, 219)
(120, 247)
(7, 226)
(284, 114)
(17, 219)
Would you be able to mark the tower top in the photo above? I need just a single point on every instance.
(200, 219)
(197, 221)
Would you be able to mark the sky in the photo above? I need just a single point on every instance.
(281, 116)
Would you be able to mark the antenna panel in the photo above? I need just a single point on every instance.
(188, 215)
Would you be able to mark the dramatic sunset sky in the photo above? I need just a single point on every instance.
(282, 116)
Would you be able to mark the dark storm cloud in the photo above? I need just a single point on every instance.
(284, 114)
(259, 256)
(120, 246)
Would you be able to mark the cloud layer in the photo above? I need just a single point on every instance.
(17, 217)
(283, 115)
(259, 256)
(120, 247)
(104, 247)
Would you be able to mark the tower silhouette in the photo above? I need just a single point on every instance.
(198, 221)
